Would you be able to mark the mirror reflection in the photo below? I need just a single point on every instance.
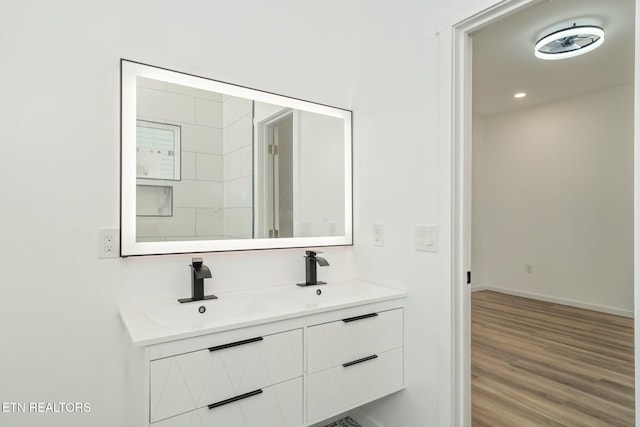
(214, 166)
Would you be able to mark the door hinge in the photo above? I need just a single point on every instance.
(468, 277)
(273, 149)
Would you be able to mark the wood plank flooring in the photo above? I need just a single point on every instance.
(537, 363)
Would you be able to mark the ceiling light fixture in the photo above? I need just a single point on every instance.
(520, 95)
(569, 42)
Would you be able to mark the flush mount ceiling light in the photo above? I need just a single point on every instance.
(519, 95)
(569, 42)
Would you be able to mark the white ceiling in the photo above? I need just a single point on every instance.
(504, 62)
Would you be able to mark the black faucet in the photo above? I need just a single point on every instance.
(312, 269)
(199, 272)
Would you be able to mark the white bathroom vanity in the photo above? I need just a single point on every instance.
(286, 356)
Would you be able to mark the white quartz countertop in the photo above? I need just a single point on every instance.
(160, 322)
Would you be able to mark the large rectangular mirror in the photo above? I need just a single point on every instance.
(210, 166)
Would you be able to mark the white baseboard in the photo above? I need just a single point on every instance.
(476, 288)
(556, 300)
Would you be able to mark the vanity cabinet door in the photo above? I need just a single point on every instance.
(332, 344)
(279, 405)
(194, 380)
(343, 387)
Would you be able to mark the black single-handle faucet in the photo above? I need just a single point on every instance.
(199, 272)
(311, 263)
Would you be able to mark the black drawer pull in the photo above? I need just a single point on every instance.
(364, 316)
(364, 359)
(235, 344)
(235, 399)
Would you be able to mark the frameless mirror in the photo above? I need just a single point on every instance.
(210, 166)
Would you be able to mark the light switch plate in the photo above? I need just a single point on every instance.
(378, 235)
(427, 238)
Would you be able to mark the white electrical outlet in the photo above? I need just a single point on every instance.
(378, 235)
(108, 242)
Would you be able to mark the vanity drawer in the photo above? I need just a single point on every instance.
(194, 380)
(332, 344)
(342, 387)
(279, 405)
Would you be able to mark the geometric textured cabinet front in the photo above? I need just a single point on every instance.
(279, 405)
(190, 381)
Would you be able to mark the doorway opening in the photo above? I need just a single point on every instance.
(276, 191)
(456, 138)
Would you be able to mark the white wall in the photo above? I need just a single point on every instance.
(62, 339)
(396, 185)
(553, 189)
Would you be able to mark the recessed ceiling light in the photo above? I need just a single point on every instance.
(520, 95)
(569, 42)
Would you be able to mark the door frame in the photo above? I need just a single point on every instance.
(262, 141)
(454, 148)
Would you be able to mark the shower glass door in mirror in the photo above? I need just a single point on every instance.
(209, 166)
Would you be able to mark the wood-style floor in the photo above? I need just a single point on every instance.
(537, 363)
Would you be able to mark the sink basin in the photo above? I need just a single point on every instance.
(170, 320)
(312, 296)
(232, 307)
(200, 312)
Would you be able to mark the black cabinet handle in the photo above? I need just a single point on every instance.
(235, 344)
(235, 399)
(364, 316)
(364, 359)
